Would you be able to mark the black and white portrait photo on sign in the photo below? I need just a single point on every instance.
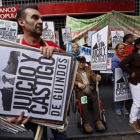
(8, 30)
(66, 34)
(48, 31)
(89, 37)
(10, 60)
(99, 49)
(117, 37)
(31, 83)
(122, 90)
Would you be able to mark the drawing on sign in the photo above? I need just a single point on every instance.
(48, 31)
(117, 37)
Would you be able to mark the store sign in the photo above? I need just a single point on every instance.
(9, 12)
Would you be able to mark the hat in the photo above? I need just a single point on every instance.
(81, 58)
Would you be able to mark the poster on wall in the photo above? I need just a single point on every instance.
(66, 34)
(117, 37)
(99, 49)
(48, 31)
(122, 90)
(8, 30)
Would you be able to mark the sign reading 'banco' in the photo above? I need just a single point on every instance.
(8, 12)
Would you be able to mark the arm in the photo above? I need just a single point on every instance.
(95, 77)
(114, 63)
(77, 82)
(123, 64)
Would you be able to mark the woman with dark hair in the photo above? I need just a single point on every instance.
(128, 39)
(134, 81)
(120, 55)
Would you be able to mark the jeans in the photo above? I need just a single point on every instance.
(118, 106)
(57, 135)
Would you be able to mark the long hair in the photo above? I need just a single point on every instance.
(137, 42)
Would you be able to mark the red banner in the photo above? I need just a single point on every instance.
(62, 9)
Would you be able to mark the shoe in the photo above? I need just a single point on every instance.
(135, 126)
(88, 128)
(100, 126)
(118, 112)
(125, 111)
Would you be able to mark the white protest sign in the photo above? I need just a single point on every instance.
(89, 37)
(48, 31)
(38, 86)
(122, 90)
(8, 30)
(117, 37)
(99, 49)
(66, 34)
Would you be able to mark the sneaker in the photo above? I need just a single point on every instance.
(118, 112)
(100, 126)
(135, 126)
(125, 111)
(88, 128)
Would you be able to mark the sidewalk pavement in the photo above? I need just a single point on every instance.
(117, 125)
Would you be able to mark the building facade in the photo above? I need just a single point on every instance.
(59, 21)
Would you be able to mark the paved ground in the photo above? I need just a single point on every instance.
(123, 137)
(118, 127)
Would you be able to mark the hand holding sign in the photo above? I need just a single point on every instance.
(98, 78)
(133, 75)
(47, 51)
(19, 120)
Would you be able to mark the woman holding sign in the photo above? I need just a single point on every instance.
(134, 71)
(120, 55)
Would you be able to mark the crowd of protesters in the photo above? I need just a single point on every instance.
(126, 57)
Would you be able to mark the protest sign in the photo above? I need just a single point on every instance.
(48, 31)
(84, 51)
(117, 37)
(89, 37)
(122, 90)
(66, 34)
(99, 49)
(116, 21)
(31, 83)
(8, 30)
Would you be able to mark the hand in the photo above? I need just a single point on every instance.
(98, 78)
(18, 120)
(47, 51)
(81, 86)
(133, 75)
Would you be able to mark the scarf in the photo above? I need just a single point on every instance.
(75, 54)
(121, 56)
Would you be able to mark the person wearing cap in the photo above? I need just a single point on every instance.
(99, 43)
(86, 76)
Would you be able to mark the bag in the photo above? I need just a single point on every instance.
(88, 89)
